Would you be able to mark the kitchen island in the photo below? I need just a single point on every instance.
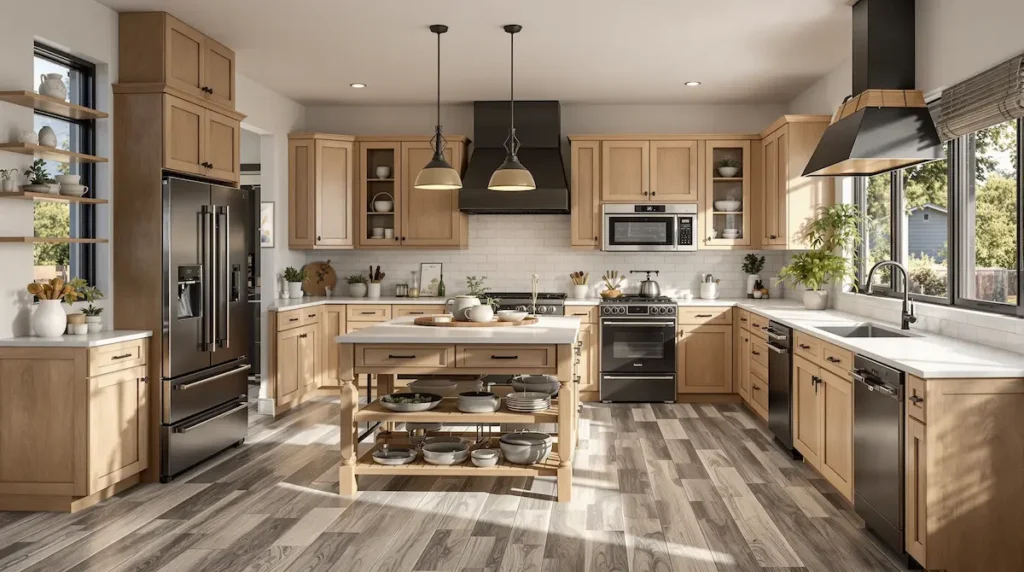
(399, 347)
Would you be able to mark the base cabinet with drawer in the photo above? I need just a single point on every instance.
(74, 424)
(297, 361)
(589, 357)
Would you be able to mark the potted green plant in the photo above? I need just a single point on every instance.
(835, 230)
(294, 278)
(356, 285)
(752, 266)
(92, 313)
(7, 180)
(728, 167)
(38, 177)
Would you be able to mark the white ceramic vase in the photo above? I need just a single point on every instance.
(373, 290)
(751, 279)
(49, 320)
(481, 313)
(357, 290)
(815, 299)
(7, 186)
(579, 291)
(295, 289)
(95, 323)
(52, 85)
(47, 138)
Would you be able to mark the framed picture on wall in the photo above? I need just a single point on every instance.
(267, 224)
(430, 277)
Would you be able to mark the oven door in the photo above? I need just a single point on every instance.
(638, 345)
(632, 232)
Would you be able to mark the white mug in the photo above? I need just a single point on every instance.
(378, 232)
(389, 233)
(383, 172)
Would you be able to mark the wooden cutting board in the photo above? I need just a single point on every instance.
(314, 288)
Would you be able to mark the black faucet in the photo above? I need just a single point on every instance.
(907, 315)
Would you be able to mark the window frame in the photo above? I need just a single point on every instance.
(960, 235)
(83, 254)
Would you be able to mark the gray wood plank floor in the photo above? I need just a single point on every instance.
(677, 488)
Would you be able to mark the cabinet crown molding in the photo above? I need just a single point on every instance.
(157, 87)
(787, 119)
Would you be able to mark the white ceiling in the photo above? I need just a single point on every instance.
(577, 51)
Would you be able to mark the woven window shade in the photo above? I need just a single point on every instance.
(989, 98)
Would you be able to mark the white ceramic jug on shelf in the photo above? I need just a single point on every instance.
(52, 85)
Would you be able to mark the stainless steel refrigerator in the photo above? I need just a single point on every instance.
(206, 322)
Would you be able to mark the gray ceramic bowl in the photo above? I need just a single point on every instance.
(526, 448)
(435, 400)
(445, 453)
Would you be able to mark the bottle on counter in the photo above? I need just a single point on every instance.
(440, 287)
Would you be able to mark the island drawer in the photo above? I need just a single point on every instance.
(505, 357)
(759, 352)
(705, 316)
(807, 347)
(400, 311)
(586, 314)
(116, 357)
(837, 359)
(368, 312)
(404, 356)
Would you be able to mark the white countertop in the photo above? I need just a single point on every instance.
(553, 330)
(87, 341)
(293, 303)
(924, 355)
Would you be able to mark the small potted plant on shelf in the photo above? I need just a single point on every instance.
(835, 230)
(7, 180)
(579, 284)
(728, 167)
(356, 285)
(376, 277)
(752, 266)
(37, 178)
(612, 284)
(92, 313)
(49, 319)
(294, 278)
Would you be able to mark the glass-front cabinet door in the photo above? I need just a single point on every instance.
(727, 205)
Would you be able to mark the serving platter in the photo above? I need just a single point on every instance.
(430, 321)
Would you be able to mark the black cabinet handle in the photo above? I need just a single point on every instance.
(416, 313)
(653, 193)
(122, 356)
(303, 335)
(804, 346)
(401, 357)
(743, 319)
(318, 238)
(310, 315)
(702, 315)
(397, 239)
(504, 357)
(210, 90)
(755, 353)
(756, 388)
(833, 360)
(595, 239)
(916, 400)
(293, 319)
(772, 236)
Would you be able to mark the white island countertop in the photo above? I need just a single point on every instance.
(553, 330)
(282, 304)
(97, 339)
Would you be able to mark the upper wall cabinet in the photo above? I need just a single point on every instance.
(156, 47)
(200, 141)
(320, 191)
(649, 171)
(391, 212)
(674, 171)
(726, 209)
(790, 200)
(585, 194)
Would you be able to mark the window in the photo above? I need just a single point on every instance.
(954, 223)
(58, 219)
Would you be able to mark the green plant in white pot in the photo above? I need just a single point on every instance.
(294, 278)
(357, 285)
(835, 230)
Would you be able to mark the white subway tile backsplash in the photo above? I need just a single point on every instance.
(509, 248)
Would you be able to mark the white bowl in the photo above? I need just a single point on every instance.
(536, 383)
(445, 453)
(442, 387)
(728, 171)
(478, 402)
(511, 315)
(411, 407)
(727, 206)
(68, 189)
(485, 457)
(68, 179)
(383, 206)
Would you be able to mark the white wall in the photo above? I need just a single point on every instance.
(825, 95)
(89, 31)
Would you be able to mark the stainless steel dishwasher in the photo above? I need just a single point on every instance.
(878, 443)
(780, 385)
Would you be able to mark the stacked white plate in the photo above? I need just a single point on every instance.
(527, 401)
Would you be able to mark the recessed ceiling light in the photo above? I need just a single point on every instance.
(687, 84)
(357, 85)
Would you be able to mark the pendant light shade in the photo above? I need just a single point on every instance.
(438, 174)
(512, 175)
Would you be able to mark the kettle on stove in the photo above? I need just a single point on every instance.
(648, 288)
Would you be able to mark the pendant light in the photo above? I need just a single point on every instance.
(512, 175)
(438, 174)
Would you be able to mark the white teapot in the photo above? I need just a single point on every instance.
(52, 85)
(459, 306)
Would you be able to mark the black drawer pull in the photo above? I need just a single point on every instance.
(805, 347)
(122, 356)
(310, 315)
(367, 313)
(834, 360)
(401, 357)
(416, 313)
(755, 353)
(303, 335)
(756, 388)
(293, 319)
(504, 357)
(743, 319)
(702, 315)
(916, 400)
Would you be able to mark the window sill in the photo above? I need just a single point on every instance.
(858, 303)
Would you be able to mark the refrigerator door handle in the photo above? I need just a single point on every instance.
(208, 293)
(223, 275)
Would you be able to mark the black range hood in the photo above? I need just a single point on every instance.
(869, 136)
(538, 127)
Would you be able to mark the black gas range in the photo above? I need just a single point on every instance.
(548, 304)
(638, 349)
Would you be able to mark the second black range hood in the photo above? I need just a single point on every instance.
(538, 127)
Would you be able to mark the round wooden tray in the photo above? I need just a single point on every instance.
(429, 321)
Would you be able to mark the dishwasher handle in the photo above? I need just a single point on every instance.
(872, 385)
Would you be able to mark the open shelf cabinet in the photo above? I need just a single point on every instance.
(51, 105)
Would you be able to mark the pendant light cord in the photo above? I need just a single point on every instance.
(439, 79)
(512, 82)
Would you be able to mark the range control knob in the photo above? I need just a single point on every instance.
(620, 310)
(670, 310)
(521, 309)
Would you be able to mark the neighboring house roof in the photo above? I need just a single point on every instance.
(931, 206)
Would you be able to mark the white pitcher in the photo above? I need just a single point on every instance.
(52, 85)
(460, 305)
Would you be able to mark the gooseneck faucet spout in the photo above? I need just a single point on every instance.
(907, 315)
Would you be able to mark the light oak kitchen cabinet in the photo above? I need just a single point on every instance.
(662, 170)
(704, 359)
(788, 199)
(156, 47)
(74, 424)
(715, 221)
(589, 369)
(320, 191)
(392, 205)
(585, 194)
(807, 410)
(200, 141)
(296, 356)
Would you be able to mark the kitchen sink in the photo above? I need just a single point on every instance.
(865, 330)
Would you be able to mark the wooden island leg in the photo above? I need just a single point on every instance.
(349, 429)
(566, 420)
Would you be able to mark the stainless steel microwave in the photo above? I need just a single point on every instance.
(649, 227)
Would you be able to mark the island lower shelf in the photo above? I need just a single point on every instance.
(449, 413)
(367, 466)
